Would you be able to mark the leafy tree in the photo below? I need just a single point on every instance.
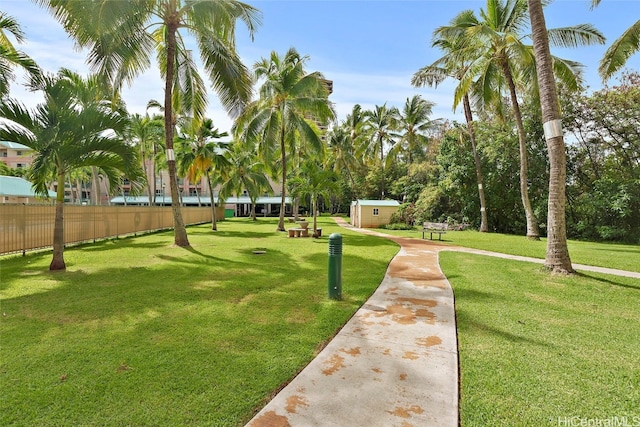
(454, 64)
(314, 181)
(200, 155)
(67, 135)
(283, 117)
(380, 127)
(146, 132)
(498, 45)
(557, 257)
(245, 172)
(10, 57)
(122, 36)
(620, 50)
(414, 125)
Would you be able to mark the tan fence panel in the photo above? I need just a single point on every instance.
(29, 227)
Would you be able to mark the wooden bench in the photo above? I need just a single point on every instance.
(434, 227)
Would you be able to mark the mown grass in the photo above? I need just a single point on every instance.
(538, 349)
(138, 332)
(609, 255)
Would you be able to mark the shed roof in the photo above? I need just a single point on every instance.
(193, 200)
(14, 186)
(14, 145)
(392, 203)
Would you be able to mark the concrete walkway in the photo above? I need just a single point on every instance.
(395, 363)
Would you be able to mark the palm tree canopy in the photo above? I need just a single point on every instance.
(68, 134)
(10, 57)
(122, 36)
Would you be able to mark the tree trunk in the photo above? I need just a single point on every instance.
(57, 263)
(253, 210)
(214, 225)
(484, 223)
(179, 230)
(284, 178)
(95, 191)
(382, 166)
(533, 232)
(557, 256)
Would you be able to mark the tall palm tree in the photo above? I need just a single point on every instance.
(122, 36)
(245, 172)
(557, 256)
(291, 101)
(341, 152)
(201, 155)
(498, 41)
(314, 181)
(414, 125)
(146, 133)
(381, 125)
(454, 64)
(10, 57)
(66, 135)
(620, 50)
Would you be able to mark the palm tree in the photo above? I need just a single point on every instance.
(453, 64)
(284, 116)
(498, 41)
(557, 257)
(200, 155)
(415, 125)
(314, 181)
(146, 133)
(620, 50)
(67, 135)
(245, 172)
(341, 153)
(10, 57)
(122, 36)
(381, 125)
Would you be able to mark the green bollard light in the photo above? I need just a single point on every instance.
(335, 266)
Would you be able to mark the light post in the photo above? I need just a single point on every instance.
(163, 186)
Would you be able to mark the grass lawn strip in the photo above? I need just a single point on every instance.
(535, 348)
(138, 332)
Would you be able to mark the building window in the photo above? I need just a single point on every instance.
(18, 153)
(376, 212)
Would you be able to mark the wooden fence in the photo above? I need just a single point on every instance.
(28, 227)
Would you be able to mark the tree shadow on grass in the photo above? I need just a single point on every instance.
(619, 282)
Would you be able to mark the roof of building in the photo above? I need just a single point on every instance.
(14, 145)
(376, 203)
(14, 186)
(193, 200)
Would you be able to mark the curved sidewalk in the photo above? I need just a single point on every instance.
(395, 363)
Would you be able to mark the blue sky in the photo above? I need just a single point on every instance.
(369, 48)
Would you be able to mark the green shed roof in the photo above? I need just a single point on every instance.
(14, 186)
(376, 203)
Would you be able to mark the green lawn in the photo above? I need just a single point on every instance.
(537, 349)
(610, 255)
(137, 332)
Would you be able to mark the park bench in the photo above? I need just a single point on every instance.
(434, 227)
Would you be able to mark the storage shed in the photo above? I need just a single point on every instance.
(372, 213)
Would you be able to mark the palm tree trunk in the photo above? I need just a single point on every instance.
(557, 256)
(484, 223)
(57, 263)
(179, 230)
(253, 210)
(95, 190)
(533, 231)
(214, 225)
(284, 178)
(382, 166)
